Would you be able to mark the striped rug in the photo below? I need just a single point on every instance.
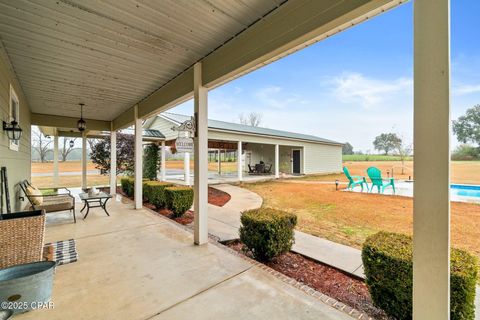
(62, 252)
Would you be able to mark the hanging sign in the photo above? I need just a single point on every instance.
(186, 130)
(183, 144)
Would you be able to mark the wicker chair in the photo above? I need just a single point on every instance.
(51, 202)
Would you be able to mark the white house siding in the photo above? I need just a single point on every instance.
(17, 162)
(315, 157)
(322, 158)
(165, 127)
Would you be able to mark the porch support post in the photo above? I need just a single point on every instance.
(219, 162)
(277, 161)
(200, 94)
(55, 161)
(431, 204)
(186, 168)
(138, 161)
(162, 163)
(113, 161)
(239, 161)
(84, 160)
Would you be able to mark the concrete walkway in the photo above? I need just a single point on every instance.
(224, 223)
(138, 265)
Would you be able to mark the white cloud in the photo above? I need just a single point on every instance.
(464, 89)
(355, 88)
(275, 97)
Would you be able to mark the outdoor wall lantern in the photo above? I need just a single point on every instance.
(13, 130)
(71, 143)
(81, 124)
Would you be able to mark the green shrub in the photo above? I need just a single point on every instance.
(387, 259)
(179, 199)
(154, 192)
(465, 152)
(267, 232)
(150, 162)
(128, 185)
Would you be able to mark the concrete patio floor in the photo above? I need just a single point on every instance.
(137, 265)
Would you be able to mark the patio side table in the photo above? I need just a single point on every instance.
(94, 201)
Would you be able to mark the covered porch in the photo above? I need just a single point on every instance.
(127, 73)
(136, 264)
(237, 161)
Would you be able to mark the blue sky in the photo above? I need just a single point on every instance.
(355, 85)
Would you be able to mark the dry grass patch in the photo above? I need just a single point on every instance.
(467, 172)
(348, 218)
(67, 166)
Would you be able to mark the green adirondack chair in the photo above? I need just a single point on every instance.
(375, 176)
(354, 181)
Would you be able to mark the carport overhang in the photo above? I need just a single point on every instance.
(282, 30)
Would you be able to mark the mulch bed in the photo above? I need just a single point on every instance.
(325, 279)
(215, 197)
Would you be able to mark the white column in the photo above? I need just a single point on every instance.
(277, 161)
(219, 162)
(113, 162)
(162, 163)
(186, 168)
(239, 161)
(138, 161)
(84, 160)
(200, 95)
(431, 203)
(55, 161)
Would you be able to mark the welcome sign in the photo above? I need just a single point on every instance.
(183, 144)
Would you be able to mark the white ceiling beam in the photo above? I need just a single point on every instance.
(47, 120)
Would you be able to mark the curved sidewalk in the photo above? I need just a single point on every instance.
(224, 223)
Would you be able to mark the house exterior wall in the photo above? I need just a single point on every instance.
(315, 157)
(17, 162)
(165, 127)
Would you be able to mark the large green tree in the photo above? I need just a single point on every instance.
(347, 148)
(387, 142)
(467, 127)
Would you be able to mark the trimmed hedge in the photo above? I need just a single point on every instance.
(387, 259)
(150, 162)
(179, 199)
(267, 232)
(128, 185)
(154, 192)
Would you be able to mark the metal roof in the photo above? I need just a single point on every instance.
(111, 54)
(147, 133)
(241, 128)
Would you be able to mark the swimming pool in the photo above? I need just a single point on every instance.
(463, 190)
(458, 192)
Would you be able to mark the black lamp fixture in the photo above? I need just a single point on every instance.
(71, 143)
(81, 124)
(14, 132)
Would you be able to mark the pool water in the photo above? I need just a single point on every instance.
(463, 190)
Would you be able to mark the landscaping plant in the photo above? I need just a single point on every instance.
(154, 192)
(267, 232)
(387, 259)
(127, 184)
(150, 163)
(179, 199)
